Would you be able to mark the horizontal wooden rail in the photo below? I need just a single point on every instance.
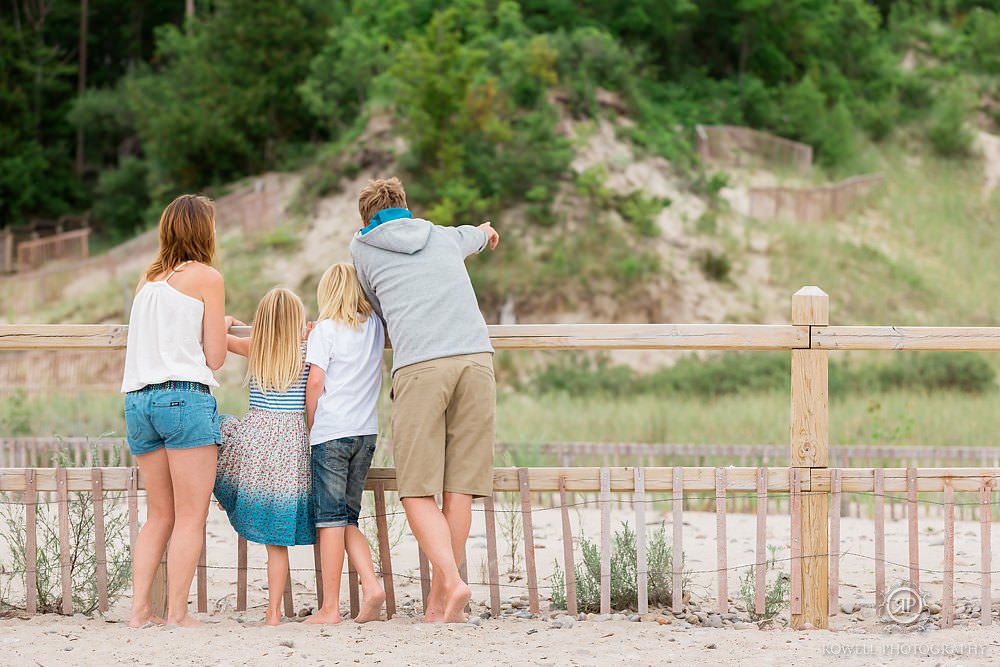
(504, 479)
(983, 339)
(505, 337)
(599, 337)
(588, 479)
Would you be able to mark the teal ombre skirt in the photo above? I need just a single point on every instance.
(263, 477)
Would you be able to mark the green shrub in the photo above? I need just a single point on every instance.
(715, 265)
(947, 128)
(624, 573)
(748, 372)
(122, 198)
(775, 593)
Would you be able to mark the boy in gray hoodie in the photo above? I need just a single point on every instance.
(443, 388)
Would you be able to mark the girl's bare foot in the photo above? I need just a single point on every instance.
(324, 617)
(142, 618)
(455, 601)
(371, 606)
(272, 617)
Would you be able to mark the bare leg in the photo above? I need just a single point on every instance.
(192, 472)
(434, 537)
(372, 591)
(153, 536)
(457, 510)
(277, 574)
(331, 555)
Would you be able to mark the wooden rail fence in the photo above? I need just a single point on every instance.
(813, 487)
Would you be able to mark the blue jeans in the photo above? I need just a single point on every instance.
(339, 471)
(174, 419)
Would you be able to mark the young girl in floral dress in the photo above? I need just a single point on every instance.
(263, 477)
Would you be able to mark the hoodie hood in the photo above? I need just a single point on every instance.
(404, 235)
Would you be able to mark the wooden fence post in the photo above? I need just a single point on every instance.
(809, 445)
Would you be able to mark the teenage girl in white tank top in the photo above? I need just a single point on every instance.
(176, 338)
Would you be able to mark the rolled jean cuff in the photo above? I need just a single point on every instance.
(335, 524)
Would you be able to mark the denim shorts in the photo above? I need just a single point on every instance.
(171, 418)
(339, 471)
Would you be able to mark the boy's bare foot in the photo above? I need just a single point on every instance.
(140, 619)
(185, 621)
(324, 617)
(371, 606)
(272, 617)
(455, 601)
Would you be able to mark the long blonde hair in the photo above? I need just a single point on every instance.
(187, 233)
(340, 297)
(275, 359)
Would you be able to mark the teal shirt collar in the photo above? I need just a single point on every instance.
(386, 215)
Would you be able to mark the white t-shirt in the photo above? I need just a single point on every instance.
(352, 361)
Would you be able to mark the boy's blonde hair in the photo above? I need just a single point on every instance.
(340, 297)
(187, 233)
(380, 194)
(275, 359)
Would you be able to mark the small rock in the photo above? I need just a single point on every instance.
(581, 616)
(532, 631)
(617, 617)
(663, 620)
(602, 618)
(305, 611)
(523, 614)
(849, 607)
(714, 621)
(485, 615)
(934, 608)
(693, 619)
(564, 622)
(743, 626)
(475, 620)
(634, 618)
(287, 643)
(712, 645)
(68, 648)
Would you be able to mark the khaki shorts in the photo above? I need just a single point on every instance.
(444, 426)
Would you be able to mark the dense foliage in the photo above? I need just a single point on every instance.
(174, 103)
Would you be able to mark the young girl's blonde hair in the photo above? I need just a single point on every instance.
(340, 297)
(275, 359)
(187, 233)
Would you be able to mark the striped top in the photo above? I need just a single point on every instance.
(293, 400)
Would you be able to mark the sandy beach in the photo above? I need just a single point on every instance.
(239, 638)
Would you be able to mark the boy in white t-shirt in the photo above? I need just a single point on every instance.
(344, 354)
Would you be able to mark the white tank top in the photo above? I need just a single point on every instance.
(164, 338)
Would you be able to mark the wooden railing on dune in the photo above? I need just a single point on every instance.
(813, 488)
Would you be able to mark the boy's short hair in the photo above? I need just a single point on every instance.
(379, 194)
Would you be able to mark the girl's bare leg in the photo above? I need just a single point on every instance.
(277, 576)
(153, 536)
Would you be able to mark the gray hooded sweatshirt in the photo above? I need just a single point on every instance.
(413, 272)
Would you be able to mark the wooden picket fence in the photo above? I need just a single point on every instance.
(814, 204)
(813, 487)
(739, 146)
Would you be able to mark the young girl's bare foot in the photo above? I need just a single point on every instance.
(371, 606)
(140, 619)
(272, 617)
(455, 601)
(324, 617)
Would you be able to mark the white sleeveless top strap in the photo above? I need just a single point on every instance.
(176, 269)
(165, 338)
